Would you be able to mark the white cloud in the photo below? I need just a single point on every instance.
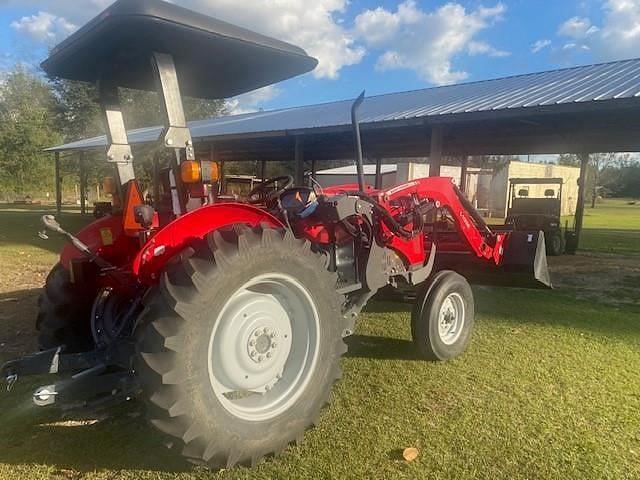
(427, 42)
(483, 48)
(616, 38)
(540, 45)
(577, 28)
(44, 27)
(252, 101)
(315, 26)
(619, 36)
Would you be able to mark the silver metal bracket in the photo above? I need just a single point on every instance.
(119, 150)
(176, 133)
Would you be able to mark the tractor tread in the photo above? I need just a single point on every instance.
(171, 307)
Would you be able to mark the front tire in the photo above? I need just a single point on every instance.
(442, 317)
(555, 244)
(241, 346)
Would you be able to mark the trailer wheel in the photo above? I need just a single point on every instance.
(442, 317)
(555, 243)
(64, 311)
(240, 346)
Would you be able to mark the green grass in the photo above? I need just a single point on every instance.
(549, 389)
(612, 227)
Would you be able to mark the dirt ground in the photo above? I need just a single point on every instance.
(605, 278)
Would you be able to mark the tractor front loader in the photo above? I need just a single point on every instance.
(228, 318)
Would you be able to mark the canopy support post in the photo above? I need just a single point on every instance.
(176, 134)
(58, 184)
(119, 150)
(435, 154)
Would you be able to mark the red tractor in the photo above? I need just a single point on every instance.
(228, 318)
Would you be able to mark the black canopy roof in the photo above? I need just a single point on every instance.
(214, 59)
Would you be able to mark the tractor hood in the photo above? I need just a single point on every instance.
(214, 59)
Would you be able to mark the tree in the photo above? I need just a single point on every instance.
(569, 160)
(79, 115)
(600, 162)
(27, 126)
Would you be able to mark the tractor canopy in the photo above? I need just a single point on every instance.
(213, 59)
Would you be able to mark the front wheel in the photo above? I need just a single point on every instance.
(555, 243)
(442, 317)
(241, 346)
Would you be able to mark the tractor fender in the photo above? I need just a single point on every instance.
(104, 237)
(177, 235)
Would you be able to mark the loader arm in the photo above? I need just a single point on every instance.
(443, 193)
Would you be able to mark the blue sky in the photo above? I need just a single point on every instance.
(378, 45)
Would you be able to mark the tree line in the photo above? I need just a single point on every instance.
(37, 112)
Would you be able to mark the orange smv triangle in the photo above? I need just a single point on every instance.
(133, 198)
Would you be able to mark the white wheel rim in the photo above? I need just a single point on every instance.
(263, 347)
(451, 318)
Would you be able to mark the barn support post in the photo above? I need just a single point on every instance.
(58, 184)
(464, 164)
(263, 170)
(83, 184)
(378, 184)
(435, 153)
(314, 168)
(582, 185)
(299, 160)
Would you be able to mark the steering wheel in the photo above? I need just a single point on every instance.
(270, 189)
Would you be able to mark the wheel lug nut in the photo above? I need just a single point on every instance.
(252, 353)
(260, 358)
(267, 387)
(252, 342)
(274, 345)
(269, 355)
(266, 331)
(257, 333)
(274, 334)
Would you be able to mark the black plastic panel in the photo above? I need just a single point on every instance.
(214, 59)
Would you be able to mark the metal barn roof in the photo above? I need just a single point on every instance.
(548, 112)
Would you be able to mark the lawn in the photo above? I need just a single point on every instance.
(613, 226)
(549, 388)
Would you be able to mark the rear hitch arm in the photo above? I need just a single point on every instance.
(54, 361)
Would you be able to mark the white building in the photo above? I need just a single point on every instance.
(488, 190)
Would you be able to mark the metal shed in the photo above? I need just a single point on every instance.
(592, 108)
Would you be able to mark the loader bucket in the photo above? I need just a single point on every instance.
(524, 263)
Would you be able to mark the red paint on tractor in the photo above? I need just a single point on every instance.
(175, 236)
(105, 237)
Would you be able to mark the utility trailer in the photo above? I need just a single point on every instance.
(228, 318)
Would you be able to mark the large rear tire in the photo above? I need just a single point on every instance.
(240, 346)
(64, 313)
